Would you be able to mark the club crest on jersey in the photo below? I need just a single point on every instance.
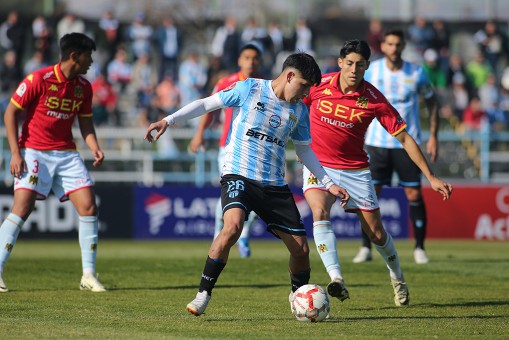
(8, 247)
(33, 180)
(312, 180)
(230, 87)
(78, 92)
(275, 121)
(53, 87)
(362, 102)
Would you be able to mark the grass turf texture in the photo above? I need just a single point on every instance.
(462, 292)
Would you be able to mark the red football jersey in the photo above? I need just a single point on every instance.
(339, 121)
(221, 85)
(51, 103)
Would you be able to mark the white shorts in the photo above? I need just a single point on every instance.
(60, 171)
(357, 182)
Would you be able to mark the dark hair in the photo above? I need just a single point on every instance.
(355, 46)
(252, 45)
(397, 32)
(306, 65)
(75, 42)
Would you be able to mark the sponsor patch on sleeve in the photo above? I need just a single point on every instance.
(230, 87)
(21, 89)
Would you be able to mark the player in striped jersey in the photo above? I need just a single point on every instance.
(341, 108)
(266, 113)
(249, 62)
(402, 83)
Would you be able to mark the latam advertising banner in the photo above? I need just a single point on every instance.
(53, 219)
(188, 212)
(473, 212)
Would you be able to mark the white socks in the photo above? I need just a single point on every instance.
(9, 232)
(88, 230)
(325, 241)
(390, 255)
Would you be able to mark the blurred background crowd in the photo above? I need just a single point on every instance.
(152, 60)
(150, 66)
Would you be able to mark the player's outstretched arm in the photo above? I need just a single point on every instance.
(88, 133)
(418, 158)
(160, 127)
(189, 111)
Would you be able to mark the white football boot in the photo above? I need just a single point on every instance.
(91, 283)
(401, 294)
(363, 255)
(199, 304)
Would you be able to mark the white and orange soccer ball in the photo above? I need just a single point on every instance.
(310, 303)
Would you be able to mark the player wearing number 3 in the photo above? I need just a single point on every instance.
(44, 158)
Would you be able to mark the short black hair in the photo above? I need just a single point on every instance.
(306, 65)
(397, 32)
(355, 46)
(252, 45)
(75, 42)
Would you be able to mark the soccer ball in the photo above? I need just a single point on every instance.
(310, 303)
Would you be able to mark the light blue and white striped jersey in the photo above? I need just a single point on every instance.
(261, 127)
(402, 88)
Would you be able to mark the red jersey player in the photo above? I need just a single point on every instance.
(44, 157)
(249, 61)
(341, 109)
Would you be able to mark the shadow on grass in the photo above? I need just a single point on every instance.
(211, 318)
(443, 305)
(264, 286)
(477, 260)
(466, 304)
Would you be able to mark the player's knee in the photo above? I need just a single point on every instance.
(378, 237)
(301, 252)
(320, 214)
(413, 194)
(23, 210)
(87, 210)
(232, 231)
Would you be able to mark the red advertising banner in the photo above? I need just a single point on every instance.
(473, 212)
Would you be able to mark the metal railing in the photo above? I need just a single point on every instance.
(130, 159)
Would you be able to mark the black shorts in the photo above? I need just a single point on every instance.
(273, 204)
(384, 162)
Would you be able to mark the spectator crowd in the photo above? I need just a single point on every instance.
(144, 71)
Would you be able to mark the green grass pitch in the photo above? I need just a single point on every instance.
(463, 292)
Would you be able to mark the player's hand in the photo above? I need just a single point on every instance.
(340, 192)
(442, 187)
(159, 126)
(432, 149)
(98, 158)
(18, 165)
(196, 144)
